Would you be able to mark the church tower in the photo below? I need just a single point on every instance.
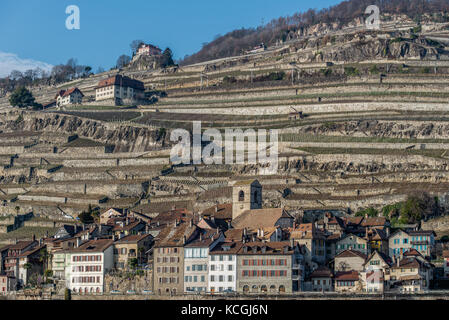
(246, 195)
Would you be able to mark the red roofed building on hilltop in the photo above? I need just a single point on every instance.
(148, 49)
(72, 96)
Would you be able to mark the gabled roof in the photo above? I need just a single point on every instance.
(386, 259)
(68, 92)
(260, 218)
(408, 262)
(351, 254)
(412, 252)
(376, 234)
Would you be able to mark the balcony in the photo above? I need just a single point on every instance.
(421, 242)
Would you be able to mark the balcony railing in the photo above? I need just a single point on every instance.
(420, 242)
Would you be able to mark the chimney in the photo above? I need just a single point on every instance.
(244, 232)
(184, 240)
(292, 243)
(34, 237)
(212, 218)
(261, 233)
(191, 223)
(78, 242)
(216, 208)
(147, 228)
(113, 237)
(100, 229)
(127, 220)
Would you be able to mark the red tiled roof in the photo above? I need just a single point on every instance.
(121, 81)
(347, 275)
(68, 92)
(220, 211)
(93, 246)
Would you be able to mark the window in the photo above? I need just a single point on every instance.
(230, 267)
(241, 195)
(229, 278)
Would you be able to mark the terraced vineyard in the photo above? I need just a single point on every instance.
(373, 130)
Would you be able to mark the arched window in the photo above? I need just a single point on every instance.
(245, 289)
(263, 288)
(273, 288)
(254, 289)
(281, 289)
(98, 290)
(241, 195)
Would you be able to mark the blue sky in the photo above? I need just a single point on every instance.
(33, 33)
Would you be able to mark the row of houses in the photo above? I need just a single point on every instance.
(236, 247)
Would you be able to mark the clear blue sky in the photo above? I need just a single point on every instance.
(36, 29)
